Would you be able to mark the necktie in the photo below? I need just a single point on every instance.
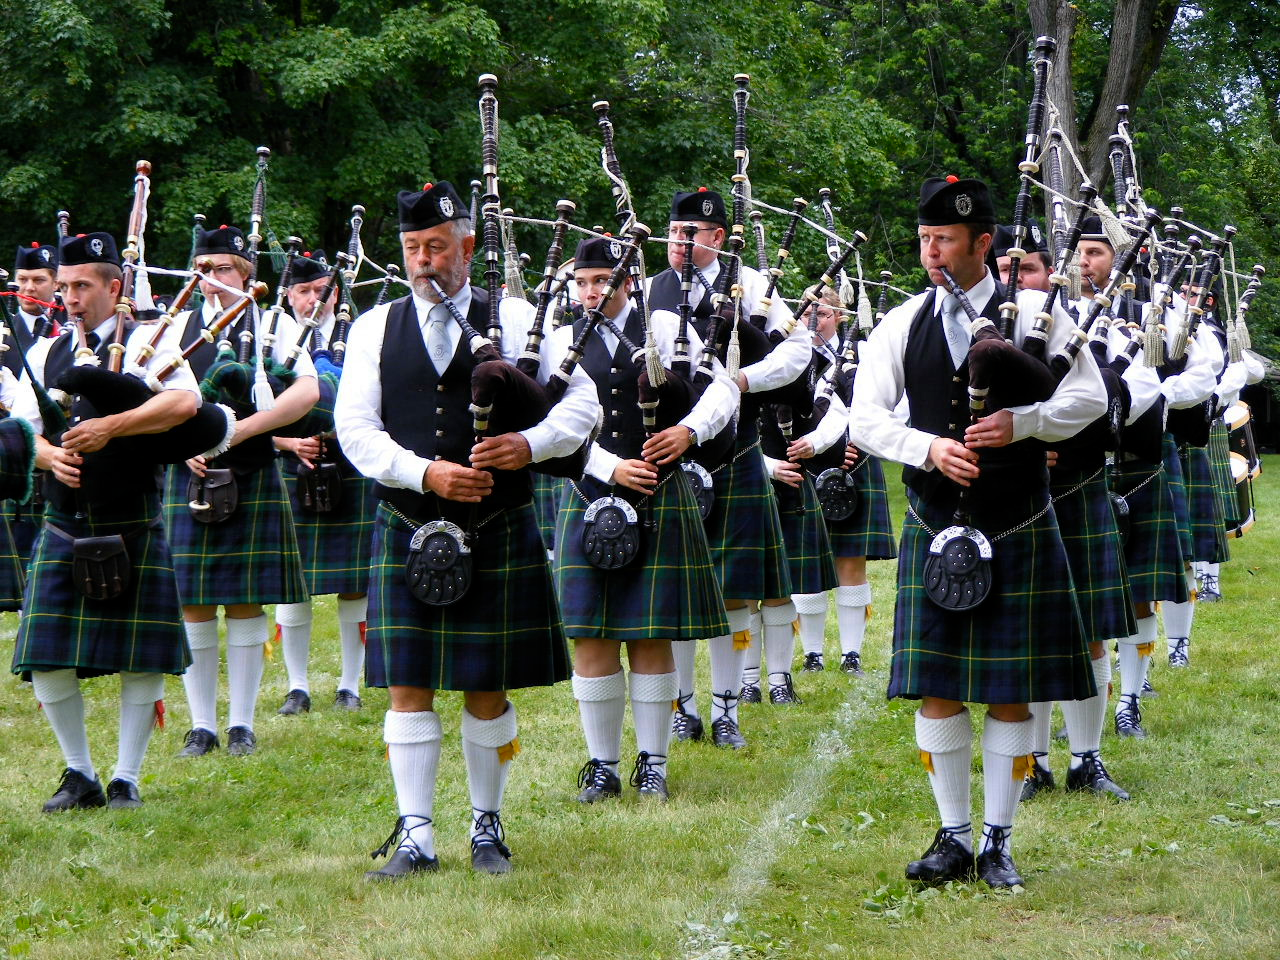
(438, 338)
(610, 341)
(955, 326)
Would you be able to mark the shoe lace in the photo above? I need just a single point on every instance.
(488, 829)
(595, 773)
(945, 835)
(1179, 651)
(69, 778)
(997, 839)
(192, 736)
(812, 659)
(1130, 716)
(784, 692)
(645, 776)
(724, 725)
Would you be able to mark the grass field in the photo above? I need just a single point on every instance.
(793, 848)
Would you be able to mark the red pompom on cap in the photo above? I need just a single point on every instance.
(427, 186)
(35, 244)
(702, 189)
(222, 226)
(952, 178)
(81, 236)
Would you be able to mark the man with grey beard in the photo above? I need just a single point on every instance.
(473, 608)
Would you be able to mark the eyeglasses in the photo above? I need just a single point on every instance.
(677, 230)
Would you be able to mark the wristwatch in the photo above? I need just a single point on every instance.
(693, 436)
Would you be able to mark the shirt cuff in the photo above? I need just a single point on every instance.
(1026, 422)
(410, 469)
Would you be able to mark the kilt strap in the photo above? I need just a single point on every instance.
(415, 524)
(737, 456)
(1155, 473)
(911, 511)
(152, 524)
(1054, 498)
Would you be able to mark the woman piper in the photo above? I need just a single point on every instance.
(668, 591)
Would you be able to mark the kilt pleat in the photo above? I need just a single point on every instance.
(251, 557)
(13, 565)
(1152, 551)
(1220, 460)
(140, 631)
(1023, 644)
(744, 532)
(24, 526)
(1177, 481)
(1095, 553)
(869, 531)
(804, 532)
(1208, 528)
(505, 632)
(335, 547)
(669, 591)
(546, 502)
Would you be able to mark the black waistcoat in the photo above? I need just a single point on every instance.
(616, 379)
(20, 341)
(938, 397)
(429, 413)
(104, 476)
(665, 294)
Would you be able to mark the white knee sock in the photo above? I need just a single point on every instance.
(138, 695)
(413, 749)
(851, 615)
(1005, 747)
(1086, 717)
(245, 640)
(58, 691)
(651, 696)
(751, 661)
(351, 617)
(1135, 659)
(726, 668)
(201, 679)
(686, 654)
(779, 640)
(812, 608)
(488, 746)
(295, 640)
(946, 747)
(602, 704)
(1178, 618)
(1041, 715)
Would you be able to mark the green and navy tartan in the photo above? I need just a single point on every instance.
(505, 632)
(1152, 551)
(139, 632)
(804, 533)
(1177, 481)
(1219, 459)
(668, 592)
(24, 525)
(743, 528)
(335, 547)
(251, 557)
(868, 532)
(1095, 552)
(546, 501)
(1023, 644)
(1208, 528)
(12, 569)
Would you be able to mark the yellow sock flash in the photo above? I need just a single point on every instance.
(742, 640)
(1022, 767)
(927, 759)
(509, 751)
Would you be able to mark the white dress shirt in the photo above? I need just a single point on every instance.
(358, 413)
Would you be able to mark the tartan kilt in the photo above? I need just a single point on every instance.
(1153, 551)
(546, 501)
(669, 591)
(1177, 480)
(334, 547)
(1208, 528)
(505, 633)
(1095, 553)
(12, 568)
(743, 528)
(1219, 459)
(1023, 644)
(140, 632)
(804, 532)
(868, 532)
(251, 557)
(24, 526)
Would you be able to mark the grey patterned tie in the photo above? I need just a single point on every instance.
(437, 338)
(956, 326)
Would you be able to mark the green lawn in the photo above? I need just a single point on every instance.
(794, 848)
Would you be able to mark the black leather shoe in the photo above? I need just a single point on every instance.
(851, 663)
(403, 862)
(646, 778)
(123, 795)
(295, 702)
(1129, 718)
(489, 854)
(813, 663)
(995, 866)
(725, 733)
(1178, 655)
(597, 782)
(1038, 780)
(347, 700)
(750, 693)
(1092, 775)
(1148, 691)
(241, 742)
(782, 694)
(686, 726)
(75, 792)
(946, 859)
(199, 742)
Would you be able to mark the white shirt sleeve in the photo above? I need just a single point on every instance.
(20, 399)
(719, 402)
(1196, 383)
(831, 428)
(787, 360)
(1143, 382)
(569, 423)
